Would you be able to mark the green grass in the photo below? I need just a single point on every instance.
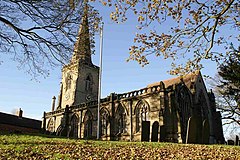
(44, 147)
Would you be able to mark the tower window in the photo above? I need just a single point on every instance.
(88, 83)
(68, 82)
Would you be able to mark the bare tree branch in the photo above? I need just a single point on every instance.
(41, 34)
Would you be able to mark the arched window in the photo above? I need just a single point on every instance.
(88, 83)
(121, 119)
(141, 115)
(88, 125)
(184, 109)
(202, 106)
(74, 126)
(50, 126)
(104, 116)
(144, 112)
(68, 81)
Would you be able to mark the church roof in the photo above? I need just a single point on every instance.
(82, 50)
(187, 79)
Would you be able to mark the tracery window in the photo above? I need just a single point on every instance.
(141, 115)
(121, 119)
(203, 106)
(74, 126)
(144, 112)
(50, 126)
(184, 106)
(88, 125)
(104, 122)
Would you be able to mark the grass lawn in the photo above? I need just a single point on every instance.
(42, 147)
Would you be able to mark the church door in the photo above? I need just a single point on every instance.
(162, 133)
(155, 128)
(145, 131)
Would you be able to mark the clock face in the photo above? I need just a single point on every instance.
(88, 97)
(67, 95)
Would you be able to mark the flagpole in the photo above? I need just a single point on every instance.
(100, 81)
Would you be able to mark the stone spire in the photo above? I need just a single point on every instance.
(82, 50)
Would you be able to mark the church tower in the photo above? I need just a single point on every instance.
(80, 76)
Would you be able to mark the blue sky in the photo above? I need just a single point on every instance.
(18, 91)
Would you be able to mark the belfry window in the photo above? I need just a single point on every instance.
(68, 82)
(88, 83)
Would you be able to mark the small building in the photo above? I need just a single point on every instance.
(176, 110)
(17, 124)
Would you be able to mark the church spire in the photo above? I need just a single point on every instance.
(82, 50)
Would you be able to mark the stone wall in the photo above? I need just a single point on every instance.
(6, 128)
(154, 99)
(129, 116)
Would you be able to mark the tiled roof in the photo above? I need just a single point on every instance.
(187, 79)
(21, 122)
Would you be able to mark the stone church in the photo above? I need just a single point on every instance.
(176, 110)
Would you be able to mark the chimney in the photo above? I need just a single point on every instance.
(20, 113)
(53, 103)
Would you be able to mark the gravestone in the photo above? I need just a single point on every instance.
(230, 142)
(155, 127)
(237, 141)
(162, 133)
(70, 131)
(205, 132)
(145, 131)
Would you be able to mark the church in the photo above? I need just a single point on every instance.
(179, 110)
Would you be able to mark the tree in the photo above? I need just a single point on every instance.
(229, 87)
(49, 28)
(230, 73)
(194, 29)
(227, 90)
(41, 34)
